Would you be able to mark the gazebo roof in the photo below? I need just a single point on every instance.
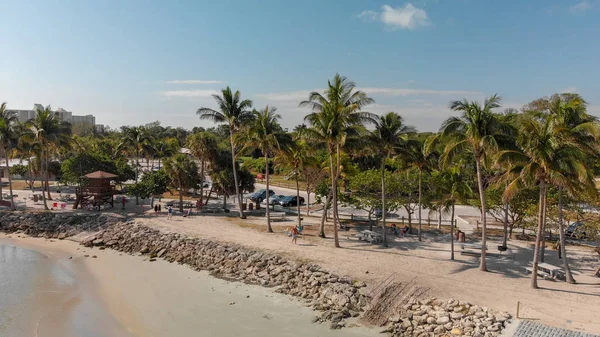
(101, 175)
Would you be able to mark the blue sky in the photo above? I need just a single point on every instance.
(133, 62)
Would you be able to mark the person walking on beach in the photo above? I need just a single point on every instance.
(156, 210)
(159, 208)
(170, 213)
(123, 201)
(294, 234)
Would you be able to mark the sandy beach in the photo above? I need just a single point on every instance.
(160, 299)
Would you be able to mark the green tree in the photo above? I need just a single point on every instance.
(389, 137)
(479, 132)
(8, 140)
(183, 173)
(49, 131)
(265, 134)
(547, 156)
(78, 165)
(134, 140)
(153, 183)
(235, 112)
(203, 146)
(336, 116)
(294, 156)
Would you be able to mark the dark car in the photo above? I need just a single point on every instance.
(576, 231)
(261, 195)
(274, 200)
(290, 201)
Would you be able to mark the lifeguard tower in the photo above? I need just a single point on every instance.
(97, 189)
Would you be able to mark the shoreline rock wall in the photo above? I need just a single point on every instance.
(336, 297)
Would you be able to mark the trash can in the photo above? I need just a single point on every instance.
(250, 206)
(257, 205)
(244, 206)
(461, 236)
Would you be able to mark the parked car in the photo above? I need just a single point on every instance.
(290, 201)
(378, 213)
(576, 231)
(261, 195)
(274, 200)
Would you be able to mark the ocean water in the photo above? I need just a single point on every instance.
(45, 297)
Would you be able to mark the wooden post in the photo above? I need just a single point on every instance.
(403, 219)
(428, 221)
(477, 223)
(518, 308)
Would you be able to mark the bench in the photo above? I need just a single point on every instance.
(280, 215)
(541, 273)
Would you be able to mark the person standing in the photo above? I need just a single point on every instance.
(123, 201)
(170, 213)
(159, 209)
(294, 234)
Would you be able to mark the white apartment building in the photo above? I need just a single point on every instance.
(67, 116)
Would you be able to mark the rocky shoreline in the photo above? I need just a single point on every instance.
(337, 298)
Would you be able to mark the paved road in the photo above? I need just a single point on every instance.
(525, 328)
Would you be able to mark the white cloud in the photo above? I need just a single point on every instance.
(580, 7)
(303, 94)
(407, 17)
(194, 82)
(189, 93)
(570, 90)
(368, 15)
(414, 92)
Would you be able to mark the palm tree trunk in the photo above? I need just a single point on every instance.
(563, 248)
(334, 198)
(298, 199)
(439, 226)
(452, 233)
(482, 265)
(336, 213)
(202, 179)
(538, 238)
(181, 198)
(46, 174)
(269, 229)
(505, 224)
(137, 173)
(235, 177)
(12, 199)
(324, 216)
(383, 202)
(420, 207)
(307, 203)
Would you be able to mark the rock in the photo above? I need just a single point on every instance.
(456, 315)
(442, 320)
(431, 320)
(152, 259)
(86, 255)
(439, 330)
(94, 257)
(456, 331)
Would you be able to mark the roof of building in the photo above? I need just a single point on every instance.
(101, 175)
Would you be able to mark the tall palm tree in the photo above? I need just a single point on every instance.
(477, 130)
(547, 156)
(135, 140)
(165, 148)
(452, 187)
(389, 137)
(336, 116)
(49, 131)
(235, 112)
(183, 173)
(570, 114)
(419, 156)
(295, 157)
(8, 140)
(265, 134)
(203, 146)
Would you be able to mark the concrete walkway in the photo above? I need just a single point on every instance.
(526, 328)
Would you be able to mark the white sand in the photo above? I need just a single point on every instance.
(557, 303)
(163, 299)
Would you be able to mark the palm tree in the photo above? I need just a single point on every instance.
(265, 134)
(8, 140)
(183, 173)
(335, 117)
(294, 156)
(48, 130)
(389, 137)
(479, 131)
(451, 187)
(547, 156)
(165, 148)
(234, 112)
(569, 113)
(134, 140)
(419, 156)
(203, 146)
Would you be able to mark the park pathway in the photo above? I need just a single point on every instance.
(526, 328)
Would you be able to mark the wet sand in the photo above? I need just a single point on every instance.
(163, 299)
